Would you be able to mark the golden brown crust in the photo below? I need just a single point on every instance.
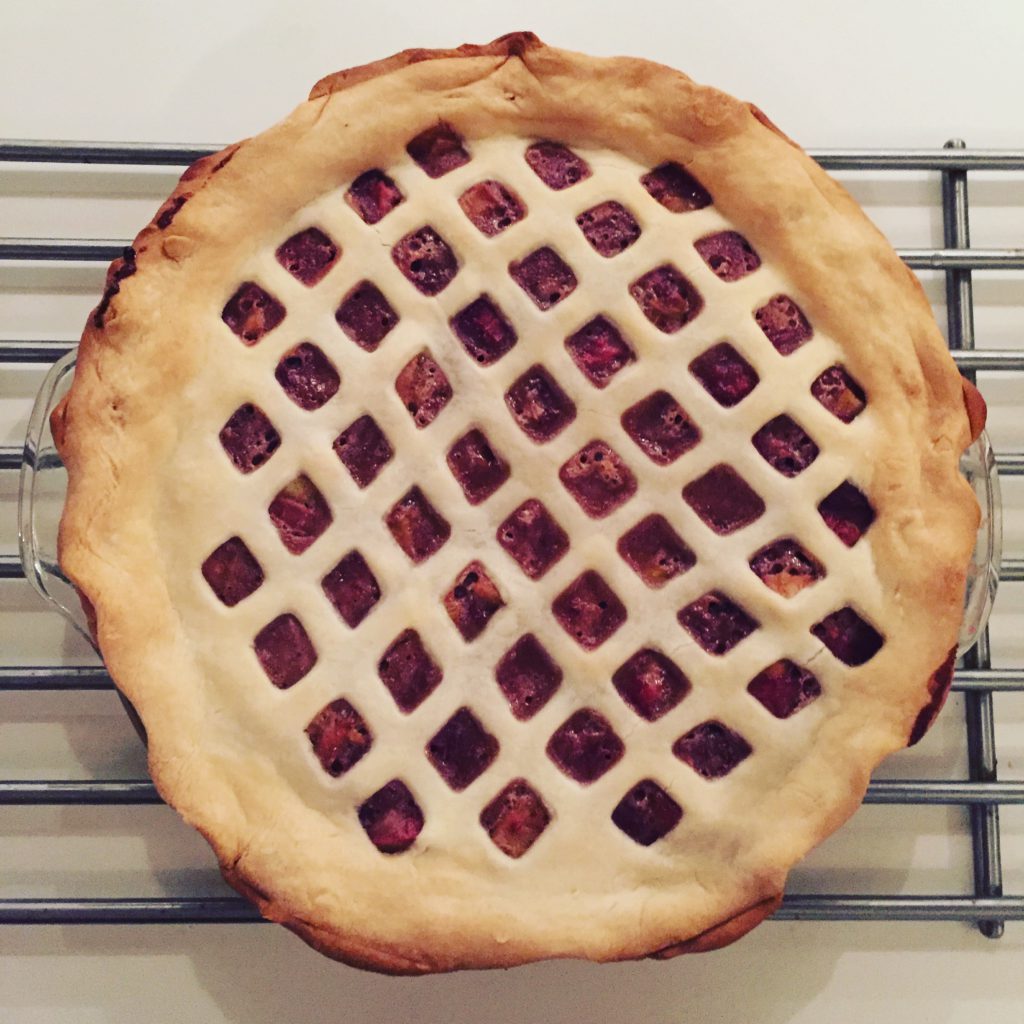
(116, 431)
(514, 44)
(976, 408)
(723, 934)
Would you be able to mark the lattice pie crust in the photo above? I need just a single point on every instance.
(519, 494)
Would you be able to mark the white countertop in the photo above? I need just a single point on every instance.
(865, 74)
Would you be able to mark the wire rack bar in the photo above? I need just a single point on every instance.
(979, 716)
(156, 154)
(10, 567)
(235, 910)
(1009, 463)
(187, 910)
(988, 359)
(135, 154)
(34, 351)
(798, 907)
(75, 792)
(1011, 569)
(142, 791)
(44, 350)
(47, 678)
(106, 249)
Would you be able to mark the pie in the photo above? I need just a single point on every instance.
(519, 493)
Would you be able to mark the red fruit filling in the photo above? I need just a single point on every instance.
(727, 377)
(418, 528)
(339, 736)
(249, 437)
(647, 813)
(438, 150)
(391, 818)
(479, 470)
(472, 601)
(300, 514)
(232, 572)
(170, 210)
(599, 350)
(589, 610)
(676, 189)
(784, 687)
(123, 267)
(352, 588)
(426, 260)
(712, 749)
(285, 651)
(716, 622)
(373, 195)
(363, 450)
(847, 513)
(308, 255)
(408, 671)
(484, 330)
(585, 746)
(729, 255)
(609, 227)
(366, 316)
(527, 676)
(308, 377)
(492, 207)
(784, 324)
(533, 538)
(598, 479)
(462, 749)
(539, 405)
(660, 427)
(555, 165)
(839, 393)
(650, 684)
(852, 640)
(938, 690)
(654, 551)
(785, 446)
(423, 388)
(785, 567)
(666, 298)
(544, 276)
(251, 312)
(515, 818)
(723, 499)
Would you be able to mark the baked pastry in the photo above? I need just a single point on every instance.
(519, 493)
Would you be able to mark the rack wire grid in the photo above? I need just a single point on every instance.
(982, 792)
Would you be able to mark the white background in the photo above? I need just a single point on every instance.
(856, 74)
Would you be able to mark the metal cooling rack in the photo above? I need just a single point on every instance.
(981, 791)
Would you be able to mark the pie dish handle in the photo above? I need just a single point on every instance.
(41, 493)
(978, 465)
(44, 481)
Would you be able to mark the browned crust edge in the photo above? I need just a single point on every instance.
(977, 410)
(512, 44)
(938, 690)
(724, 934)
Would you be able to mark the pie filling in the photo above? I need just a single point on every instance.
(603, 476)
(599, 350)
